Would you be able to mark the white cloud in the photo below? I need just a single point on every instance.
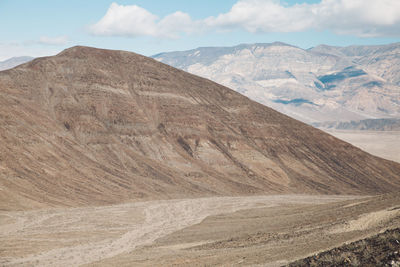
(60, 40)
(135, 21)
(126, 20)
(173, 24)
(263, 16)
(366, 18)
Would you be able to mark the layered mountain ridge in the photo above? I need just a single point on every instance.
(92, 126)
(324, 83)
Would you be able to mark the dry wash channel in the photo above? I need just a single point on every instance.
(71, 237)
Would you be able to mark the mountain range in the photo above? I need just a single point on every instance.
(320, 84)
(368, 124)
(14, 61)
(92, 126)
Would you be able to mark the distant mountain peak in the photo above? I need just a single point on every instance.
(13, 62)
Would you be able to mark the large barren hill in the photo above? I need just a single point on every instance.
(92, 126)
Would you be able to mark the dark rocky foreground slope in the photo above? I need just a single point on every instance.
(380, 250)
(92, 126)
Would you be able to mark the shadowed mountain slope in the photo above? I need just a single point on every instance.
(93, 126)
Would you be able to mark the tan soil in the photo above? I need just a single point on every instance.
(270, 236)
(71, 237)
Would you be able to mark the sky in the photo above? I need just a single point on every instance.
(46, 27)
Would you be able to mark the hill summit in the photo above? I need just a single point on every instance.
(95, 126)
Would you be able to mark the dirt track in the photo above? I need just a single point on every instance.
(67, 237)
